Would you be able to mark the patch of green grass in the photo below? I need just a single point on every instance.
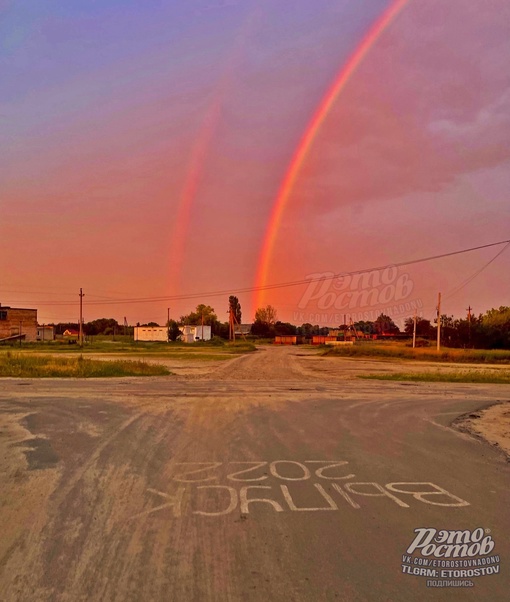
(173, 349)
(481, 377)
(391, 351)
(25, 366)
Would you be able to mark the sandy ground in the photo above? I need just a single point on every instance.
(136, 488)
(492, 425)
(305, 360)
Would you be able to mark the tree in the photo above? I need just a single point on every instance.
(205, 312)
(366, 327)
(262, 329)
(495, 328)
(283, 328)
(497, 317)
(306, 330)
(266, 315)
(385, 325)
(235, 307)
(423, 327)
(173, 330)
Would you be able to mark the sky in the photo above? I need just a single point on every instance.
(145, 145)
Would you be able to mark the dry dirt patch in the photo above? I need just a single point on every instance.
(491, 424)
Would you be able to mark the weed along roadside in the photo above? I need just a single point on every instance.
(458, 376)
(398, 351)
(35, 366)
(115, 359)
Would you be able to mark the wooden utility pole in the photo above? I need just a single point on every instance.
(414, 330)
(240, 327)
(81, 317)
(469, 309)
(439, 322)
(231, 329)
(202, 326)
(168, 324)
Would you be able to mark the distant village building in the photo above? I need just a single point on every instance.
(242, 329)
(71, 332)
(288, 339)
(16, 322)
(190, 334)
(151, 333)
(322, 339)
(45, 333)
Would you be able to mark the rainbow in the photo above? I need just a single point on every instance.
(203, 143)
(191, 184)
(307, 140)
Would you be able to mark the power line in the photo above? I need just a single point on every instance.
(475, 274)
(284, 284)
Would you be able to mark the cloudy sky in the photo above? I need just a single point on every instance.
(143, 145)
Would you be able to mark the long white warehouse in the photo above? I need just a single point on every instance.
(190, 334)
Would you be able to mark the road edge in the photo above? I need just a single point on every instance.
(476, 424)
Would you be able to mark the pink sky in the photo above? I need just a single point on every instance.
(103, 108)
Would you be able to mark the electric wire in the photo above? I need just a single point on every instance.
(322, 278)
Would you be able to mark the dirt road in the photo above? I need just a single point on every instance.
(273, 476)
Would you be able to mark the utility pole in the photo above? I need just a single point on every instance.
(168, 324)
(414, 330)
(469, 309)
(240, 327)
(439, 322)
(20, 325)
(81, 317)
(202, 326)
(231, 329)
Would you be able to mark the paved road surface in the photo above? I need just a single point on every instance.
(273, 477)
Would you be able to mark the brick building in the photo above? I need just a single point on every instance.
(15, 321)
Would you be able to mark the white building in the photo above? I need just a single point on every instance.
(151, 333)
(45, 333)
(190, 334)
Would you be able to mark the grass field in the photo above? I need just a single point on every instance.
(475, 376)
(199, 350)
(33, 366)
(382, 350)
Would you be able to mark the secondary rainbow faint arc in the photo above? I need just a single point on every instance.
(308, 138)
(201, 148)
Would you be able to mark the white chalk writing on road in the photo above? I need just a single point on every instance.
(194, 497)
